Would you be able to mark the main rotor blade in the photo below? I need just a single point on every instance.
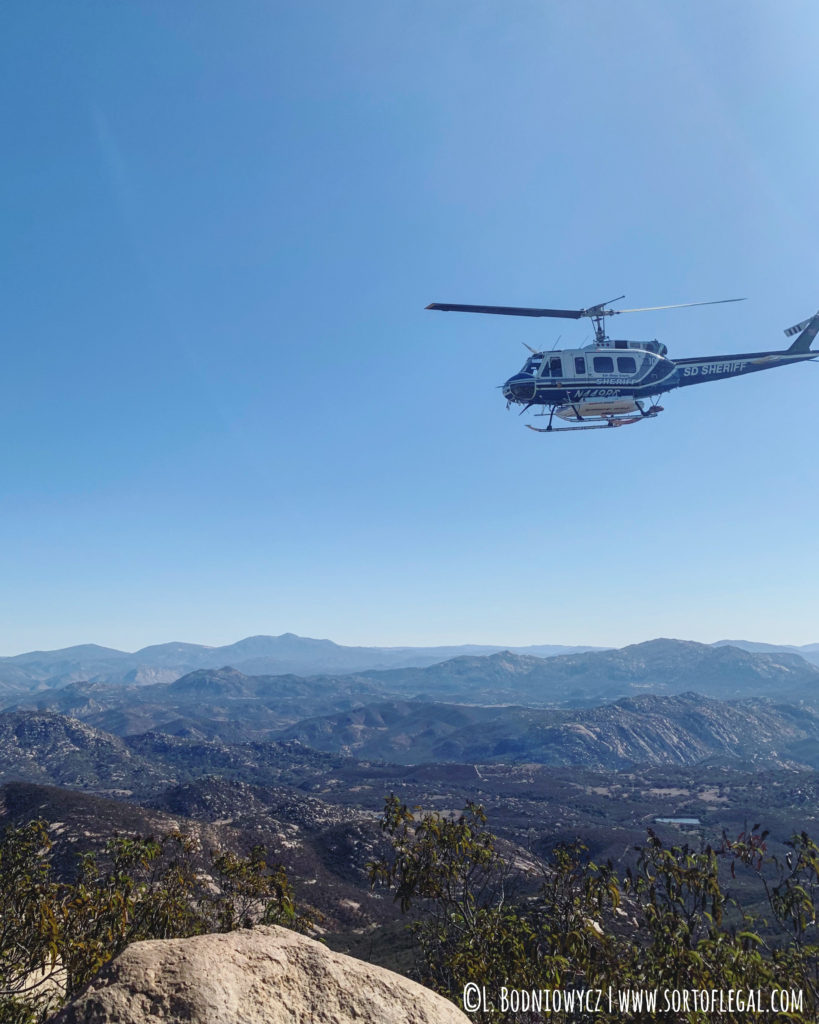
(677, 305)
(566, 314)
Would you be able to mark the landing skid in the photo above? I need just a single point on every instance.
(610, 421)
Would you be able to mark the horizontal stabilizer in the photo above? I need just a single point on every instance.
(789, 333)
(807, 331)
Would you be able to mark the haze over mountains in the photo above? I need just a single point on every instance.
(255, 655)
(268, 655)
(230, 705)
(808, 651)
(663, 701)
(657, 703)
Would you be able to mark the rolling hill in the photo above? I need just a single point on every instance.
(683, 729)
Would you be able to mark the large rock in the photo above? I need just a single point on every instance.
(264, 975)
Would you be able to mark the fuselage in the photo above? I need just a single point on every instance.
(626, 369)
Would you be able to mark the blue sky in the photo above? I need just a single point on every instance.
(225, 410)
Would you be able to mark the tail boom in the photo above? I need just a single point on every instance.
(705, 368)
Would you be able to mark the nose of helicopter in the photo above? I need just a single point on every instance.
(520, 388)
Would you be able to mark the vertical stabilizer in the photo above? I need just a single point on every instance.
(809, 329)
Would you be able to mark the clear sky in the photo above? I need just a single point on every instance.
(225, 410)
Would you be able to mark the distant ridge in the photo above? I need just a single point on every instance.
(682, 729)
(807, 651)
(289, 654)
(231, 706)
(254, 655)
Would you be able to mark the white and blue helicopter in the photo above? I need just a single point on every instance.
(612, 383)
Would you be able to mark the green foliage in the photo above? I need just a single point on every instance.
(680, 910)
(56, 935)
(477, 924)
(250, 892)
(791, 886)
(146, 889)
(670, 924)
(29, 930)
(454, 869)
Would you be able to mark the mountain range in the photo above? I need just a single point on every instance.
(544, 776)
(267, 655)
(684, 729)
(228, 705)
(659, 666)
(255, 655)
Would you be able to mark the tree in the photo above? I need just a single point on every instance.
(29, 930)
(55, 935)
(668, 926)
(250, 892)
(478, 926)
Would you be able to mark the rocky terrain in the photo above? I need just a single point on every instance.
(634, 731)
(681, 730)
(264, 975)
(318, 811)
(324, 847)
(209, 703)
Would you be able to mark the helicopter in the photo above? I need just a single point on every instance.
(614, 383)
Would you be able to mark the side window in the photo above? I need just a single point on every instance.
(626, 364)
(556, 366)
(579, 365)
(603, 364)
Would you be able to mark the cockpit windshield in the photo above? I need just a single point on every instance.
(532, 364)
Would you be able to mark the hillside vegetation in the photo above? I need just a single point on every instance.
(585, 937)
